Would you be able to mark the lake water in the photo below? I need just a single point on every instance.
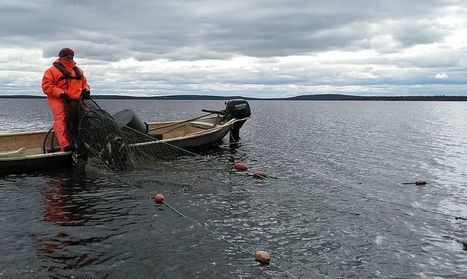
(338, 208)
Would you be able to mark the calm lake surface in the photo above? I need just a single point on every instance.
(338, 208)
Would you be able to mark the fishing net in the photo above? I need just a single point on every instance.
(134, 156)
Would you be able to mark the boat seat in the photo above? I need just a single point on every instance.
(16, 153)
(202, 125)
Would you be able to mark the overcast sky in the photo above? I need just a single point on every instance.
(260, 48)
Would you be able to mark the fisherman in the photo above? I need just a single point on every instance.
(65, 84)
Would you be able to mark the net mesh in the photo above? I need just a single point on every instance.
(133, 156)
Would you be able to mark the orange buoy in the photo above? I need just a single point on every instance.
(260, 174)
(240, 166)
(262, 257)
(158, 198)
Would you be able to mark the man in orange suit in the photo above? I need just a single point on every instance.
(65, 84)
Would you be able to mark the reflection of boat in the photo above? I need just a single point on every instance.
(27, 151)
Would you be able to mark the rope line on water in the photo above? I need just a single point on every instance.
(220, 236)
(369, 197)
(366, 196)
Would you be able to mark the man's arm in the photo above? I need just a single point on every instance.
(49, 85)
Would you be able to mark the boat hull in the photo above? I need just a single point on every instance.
(47, 162)
(188, 135)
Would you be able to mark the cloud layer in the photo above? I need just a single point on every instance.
(250, 48)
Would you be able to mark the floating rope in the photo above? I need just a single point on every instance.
(364, 195)
(220, 236)
(401, 205)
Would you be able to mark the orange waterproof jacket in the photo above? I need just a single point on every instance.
(55, 82)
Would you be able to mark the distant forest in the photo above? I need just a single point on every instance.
(320, 97)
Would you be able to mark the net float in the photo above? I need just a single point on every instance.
(262, 257)
(158, 198)
(260, 174)
(240, 166)
(417, 182)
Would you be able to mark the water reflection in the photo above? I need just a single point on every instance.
(60, 202)
(63, 249)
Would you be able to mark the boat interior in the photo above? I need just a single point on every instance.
(21, 144)
(176, 129)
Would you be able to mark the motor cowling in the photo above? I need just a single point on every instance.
(237, 108)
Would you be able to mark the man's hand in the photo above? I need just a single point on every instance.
(65, 97)
(85, 94)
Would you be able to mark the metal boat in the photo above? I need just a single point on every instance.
(28, 151)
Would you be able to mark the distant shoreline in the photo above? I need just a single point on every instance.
(320, 97)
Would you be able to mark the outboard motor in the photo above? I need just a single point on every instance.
(236, 108)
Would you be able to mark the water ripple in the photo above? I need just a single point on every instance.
(337, 208)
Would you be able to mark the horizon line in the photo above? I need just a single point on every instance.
(329, 96)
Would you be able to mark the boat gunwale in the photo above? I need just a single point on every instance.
(9, 134)
(36, 156)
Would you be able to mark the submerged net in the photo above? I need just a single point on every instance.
(133, 156)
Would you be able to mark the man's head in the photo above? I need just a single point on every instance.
(66, 53)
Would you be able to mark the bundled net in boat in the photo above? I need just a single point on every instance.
(133, 155)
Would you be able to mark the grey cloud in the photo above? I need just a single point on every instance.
(102, 32)
(170, 29)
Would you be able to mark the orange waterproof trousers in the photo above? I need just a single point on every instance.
(66, 120)
(58, 110)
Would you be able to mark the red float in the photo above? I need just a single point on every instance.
(158, 198)
(240, 166)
